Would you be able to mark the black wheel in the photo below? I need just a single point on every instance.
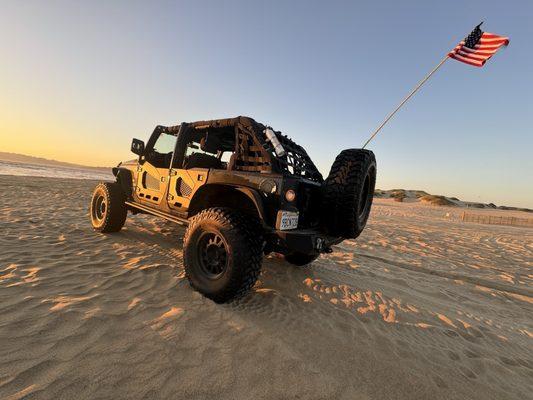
(222, 253)
(300, 259)
(348, 192)
(108, 210)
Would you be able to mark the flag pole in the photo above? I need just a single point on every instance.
(406, 98)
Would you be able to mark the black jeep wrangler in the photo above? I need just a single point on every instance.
(243, 190)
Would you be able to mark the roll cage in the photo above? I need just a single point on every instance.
(245, 138)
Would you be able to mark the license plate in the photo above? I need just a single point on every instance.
(287, 220)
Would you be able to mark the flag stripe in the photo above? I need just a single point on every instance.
(491, 41)
(471, 56)
(467, 60)
(480, 51)
(491, 35)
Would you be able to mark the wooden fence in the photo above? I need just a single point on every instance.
(496, 219)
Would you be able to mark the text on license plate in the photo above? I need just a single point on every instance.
(288, 220)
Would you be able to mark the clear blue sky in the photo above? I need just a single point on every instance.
(79, 80)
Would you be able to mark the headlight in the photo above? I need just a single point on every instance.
(290, 195)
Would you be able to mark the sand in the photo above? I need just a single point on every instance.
(421, 306)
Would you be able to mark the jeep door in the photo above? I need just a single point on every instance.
(153, 170)
(184, 181)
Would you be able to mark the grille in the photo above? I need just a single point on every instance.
(183, 189)
(150, 182)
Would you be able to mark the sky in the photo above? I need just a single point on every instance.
(79, 80)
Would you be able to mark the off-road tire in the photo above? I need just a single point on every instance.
(300, 259)
(243, 248)
(348, 193)
(108, 209)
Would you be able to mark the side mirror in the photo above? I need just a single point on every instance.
(137, 147)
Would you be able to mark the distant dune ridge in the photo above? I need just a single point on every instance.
(414, 196)
(24, 159)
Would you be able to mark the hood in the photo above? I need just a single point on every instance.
(129, 163)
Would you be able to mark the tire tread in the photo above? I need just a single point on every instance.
(340, 189)
(116, 208)
(247, 250)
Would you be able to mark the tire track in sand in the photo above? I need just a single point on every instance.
(451, 275)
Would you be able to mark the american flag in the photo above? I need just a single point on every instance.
(478, 47)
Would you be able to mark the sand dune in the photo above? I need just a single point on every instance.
(421, 306)
(414, 196)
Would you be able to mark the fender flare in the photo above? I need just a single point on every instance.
(124, 178)
(256, 199)
(250, 194)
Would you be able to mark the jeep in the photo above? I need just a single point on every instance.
(242, 190)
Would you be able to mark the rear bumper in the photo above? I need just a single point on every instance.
(301, 241)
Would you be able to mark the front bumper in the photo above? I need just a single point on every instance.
(304, 241)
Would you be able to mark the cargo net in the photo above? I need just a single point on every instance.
(295, 161)
(250, 154)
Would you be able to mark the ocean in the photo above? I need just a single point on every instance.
(23, 169)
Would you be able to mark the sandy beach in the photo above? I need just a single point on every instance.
(421, 306)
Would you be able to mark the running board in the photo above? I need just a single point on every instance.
(157, 213)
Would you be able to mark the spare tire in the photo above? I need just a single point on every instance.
(348, 193)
